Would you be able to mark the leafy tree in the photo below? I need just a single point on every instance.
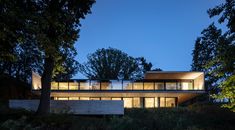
(52, 25)
(114, 64)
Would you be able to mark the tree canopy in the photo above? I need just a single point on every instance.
(112, 63)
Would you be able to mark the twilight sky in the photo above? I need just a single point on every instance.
(162, 31)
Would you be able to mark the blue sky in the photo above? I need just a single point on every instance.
(162, 31)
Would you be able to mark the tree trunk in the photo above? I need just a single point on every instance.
(44, 105)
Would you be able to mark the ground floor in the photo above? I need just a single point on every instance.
(133, 102)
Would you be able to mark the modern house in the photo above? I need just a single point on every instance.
(157, 89)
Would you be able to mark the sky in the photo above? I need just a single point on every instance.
(162, 31)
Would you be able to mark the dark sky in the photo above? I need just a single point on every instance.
(162, 31)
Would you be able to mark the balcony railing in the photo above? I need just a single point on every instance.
(126, 85)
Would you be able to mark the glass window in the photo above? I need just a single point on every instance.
(116, 98)
(127, 85)
(170, 85)
(159, 85)
(94, 98)
(105, 98)
(84, 85)
(156, 102)
(136, 103)
(148, 86)
(63, 86)
(73, 86)
(54, 85)
(170, 102)
(186, 86)
(84, 98)
(138, 86)
(62, 98)
(116, 85)
(162, 102)
(149, 102)
(105, 85)
(73, 98)
(127, 102)
(95, 85)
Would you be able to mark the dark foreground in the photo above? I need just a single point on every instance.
(197, 117)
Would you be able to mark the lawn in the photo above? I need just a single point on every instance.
(195, 117)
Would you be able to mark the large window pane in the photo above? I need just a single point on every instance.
(116, 84)
(138, 86)
(95, 85)
(136, 103)
(186, 86)
(84, 85)
(84, 98)
(62, 98)
(170, 85)
(127, 102)
(159, 85)
(63, 86)
(148, 86)
(149, 102)
(170, 102)
(73, 98)
(162, 102)
(105, 85)
(73, 86)
(54, 85)
(127, 85)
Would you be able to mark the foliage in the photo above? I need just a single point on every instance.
(221, 65)
(112, 63)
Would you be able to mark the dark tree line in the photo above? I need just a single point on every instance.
(214, 53)
(112, 63)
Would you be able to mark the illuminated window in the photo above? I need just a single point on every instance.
(84, 98)
(186, 86)
(136, 103)
(170, 102)
(162, 102)
(95, 85)
(116, 85)
(127, 102)
(149, 102)
(116, 98)
(105, 85)
(54, 85)
(73, 98)
(94, 98)
(156, 102)
(148, 86)
(170, 85)
(127, 85)
(62, 98)
(159, 86)
(63, 86)
(105, 98)
(138, 86)
(73, 86)
(84, 85)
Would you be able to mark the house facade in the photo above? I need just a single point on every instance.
(157, 89)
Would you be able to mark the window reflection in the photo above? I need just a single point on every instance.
(148, 86)
(149, 103)
(63, 86)
(159, 85)
(84, 85)
(127, 85)
(138, 86)
(170, 85)
(127, 102)
(73, 86)
(116, 84)
(106, 85)
(95, 85)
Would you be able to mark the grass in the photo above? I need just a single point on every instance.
(195, 117)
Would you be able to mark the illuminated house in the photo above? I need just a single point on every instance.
(157, 89)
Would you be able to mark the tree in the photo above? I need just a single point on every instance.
(52, 25)
(114, 64)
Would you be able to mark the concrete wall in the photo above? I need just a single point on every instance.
(91, 107)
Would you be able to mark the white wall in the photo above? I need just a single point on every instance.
(91, 107)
